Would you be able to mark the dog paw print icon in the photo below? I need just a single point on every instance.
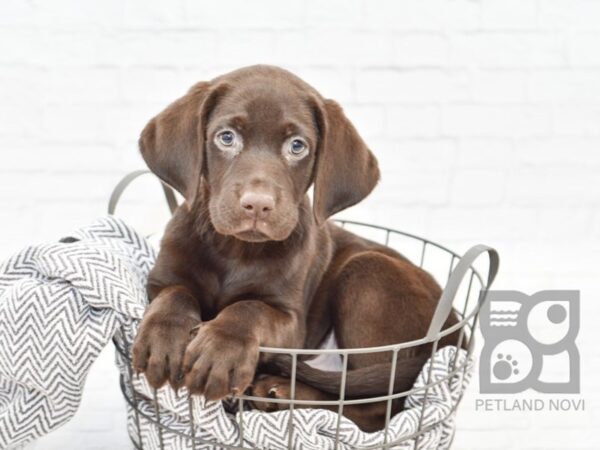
(530, 342)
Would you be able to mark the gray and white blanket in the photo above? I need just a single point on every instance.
(61, 303)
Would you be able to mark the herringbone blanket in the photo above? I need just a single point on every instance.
(61, 303)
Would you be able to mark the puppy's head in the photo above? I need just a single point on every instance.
(255, 140)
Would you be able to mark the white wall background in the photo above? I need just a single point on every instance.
(484, 114)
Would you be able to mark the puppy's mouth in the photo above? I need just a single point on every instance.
(258, 231)
(250, 229)
(252, 235)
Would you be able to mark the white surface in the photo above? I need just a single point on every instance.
(484, 115)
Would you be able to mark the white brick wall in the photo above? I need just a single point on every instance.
(484, 114)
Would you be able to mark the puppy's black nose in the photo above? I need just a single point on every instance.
(257, 205)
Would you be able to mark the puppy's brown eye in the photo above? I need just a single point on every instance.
(227, 138)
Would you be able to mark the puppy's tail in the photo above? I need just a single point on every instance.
(371, 381)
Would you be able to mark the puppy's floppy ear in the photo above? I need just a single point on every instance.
(346, 169)
(172, 143)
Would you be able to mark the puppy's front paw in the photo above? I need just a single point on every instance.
(219, 361)
(159, 347)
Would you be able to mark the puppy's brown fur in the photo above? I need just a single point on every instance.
(247, 262)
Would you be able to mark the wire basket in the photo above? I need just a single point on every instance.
(464, 291)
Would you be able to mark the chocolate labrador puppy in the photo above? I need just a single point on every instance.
(246, 261)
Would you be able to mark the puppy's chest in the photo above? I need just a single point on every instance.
(223, 283)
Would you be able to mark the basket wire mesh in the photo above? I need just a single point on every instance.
(461, 276)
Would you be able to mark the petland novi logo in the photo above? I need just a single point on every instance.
(525, 337)
(529, 344)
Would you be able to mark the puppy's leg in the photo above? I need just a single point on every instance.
(377, 300)
(277, 387)
(367, 416)
(222, 358)
(163, 336)
(380, 300)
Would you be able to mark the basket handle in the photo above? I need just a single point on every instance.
(447, 298)
(126, 181)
